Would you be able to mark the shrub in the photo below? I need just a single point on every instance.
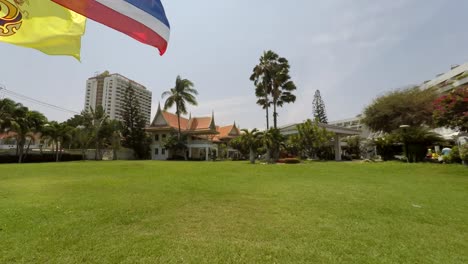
(387, 148)
(40, 158)
(454, 156)
(289, 161)
(464, 153)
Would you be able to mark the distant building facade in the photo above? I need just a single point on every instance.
(446, 82)
(108, 90)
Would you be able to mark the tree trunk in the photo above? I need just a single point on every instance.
(20, 150)
(275, 116)
(96, 154)
(27, 150)
(56, 151)
(252, 156)
(178, 121)
(267, 118)
(114, 155)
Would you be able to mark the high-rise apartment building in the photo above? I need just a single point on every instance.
(108, 90)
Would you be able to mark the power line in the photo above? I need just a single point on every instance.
(35, 101)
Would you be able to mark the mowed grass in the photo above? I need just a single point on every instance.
(233, 212)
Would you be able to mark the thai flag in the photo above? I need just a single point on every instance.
(143, 20)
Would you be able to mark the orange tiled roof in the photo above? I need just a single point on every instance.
(172, 121)
(36, 136)
(225, 132)
(199, 123)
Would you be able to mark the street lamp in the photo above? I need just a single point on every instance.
(405, 141)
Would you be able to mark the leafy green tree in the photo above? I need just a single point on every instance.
(250, 139)
(318, 106)
(115, 139)
(76, 121)
(182, 94)
(311, 138)
(58, 134)
(464, 154)
(411, 106)
(223, 151)
(176, 144)
(353, 145)
(273, 83)
(451, 110)
(238, 145)
(134, 124)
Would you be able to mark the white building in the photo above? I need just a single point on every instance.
(445, 82)
(203, 136)
(108, 90)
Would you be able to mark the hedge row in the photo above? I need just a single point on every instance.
(39, 158)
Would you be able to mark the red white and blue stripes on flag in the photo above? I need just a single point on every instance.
(143, 20)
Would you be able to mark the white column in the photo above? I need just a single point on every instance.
(337, 148)
(207, 150)
(190, 152)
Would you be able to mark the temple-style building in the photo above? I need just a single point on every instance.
(203, 136)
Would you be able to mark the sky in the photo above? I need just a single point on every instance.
(350, 50)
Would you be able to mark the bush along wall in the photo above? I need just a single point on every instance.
(40, 158)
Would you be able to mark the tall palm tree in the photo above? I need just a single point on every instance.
(180, 95)
(273, 83)
(261, 77)
(251, 140)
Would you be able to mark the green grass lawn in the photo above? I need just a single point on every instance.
(229, 212)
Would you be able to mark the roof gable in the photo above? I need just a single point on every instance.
(159, 119)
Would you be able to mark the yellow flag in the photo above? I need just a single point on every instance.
(41, 25)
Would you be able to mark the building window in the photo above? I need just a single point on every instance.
(164, 136)
(156, 151)
(156, 137)
(163, 151)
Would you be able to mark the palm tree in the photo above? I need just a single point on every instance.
(96, 119)
(250, 139)
(24, 124)
(115, 137)
(273, 83)
(272, 140)
(58, 134)
(180, 95)
(7, 107)
(82, 136)
(262, 80)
